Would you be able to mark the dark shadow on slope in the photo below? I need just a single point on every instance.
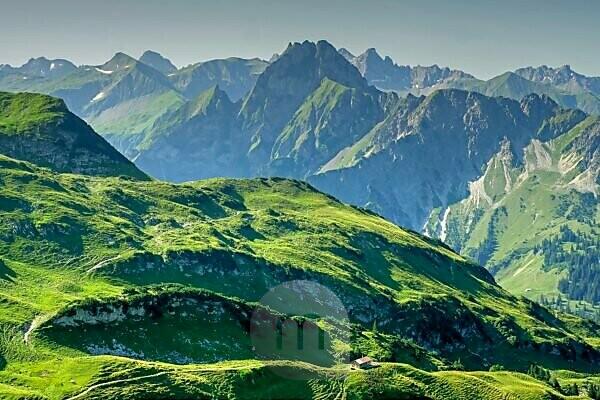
(6, 274)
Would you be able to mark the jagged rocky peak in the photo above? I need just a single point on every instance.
(538, 107)
(544, 73)
(317, 60)
(454, 98)
(370, 59)
(385, 74)
(301, 68)
(448, 107)
(297, 72)
(158, 62)
(565, 69)
(434, 74)
(285, 85)
(372, 56)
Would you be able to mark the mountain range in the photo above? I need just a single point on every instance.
(433, 149)
(565, 86)
(117, 286)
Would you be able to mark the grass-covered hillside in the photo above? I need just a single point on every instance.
(42, 130)
(533, 218)
(127, 289)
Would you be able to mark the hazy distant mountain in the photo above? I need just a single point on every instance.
(131, 97)
(384, 74)
(124, 104)
(39, 67)
(300, 113)
(158, 62)
(235, 76)
(566, 87)
(563, 77)
(124, 97)
(427, 151)
(201, 139)
(515, 86)
(130, 79)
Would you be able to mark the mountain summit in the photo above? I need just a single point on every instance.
(158, 62)
(284, 85)
(40, 67)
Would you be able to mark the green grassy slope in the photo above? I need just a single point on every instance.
(136, 116)
(120, 288)
(118, 378)
(42, 130)
(73, 247)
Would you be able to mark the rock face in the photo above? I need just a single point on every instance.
(138, 327)
(527, 206)
(40, 129)
(427, 152)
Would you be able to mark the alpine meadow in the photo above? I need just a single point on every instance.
(308, 222)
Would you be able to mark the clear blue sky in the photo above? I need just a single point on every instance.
(483, 37)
